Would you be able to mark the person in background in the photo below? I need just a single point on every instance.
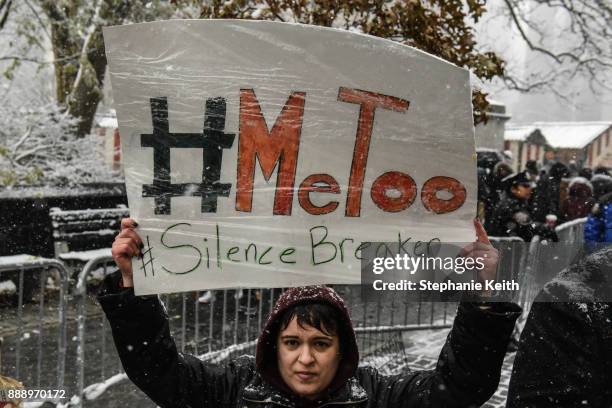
(602, 170)
(549, 159)
(598, 227)
(500, 172)
(564, 358)
(548, 192)
(573, 169)
(511, 217)
(602, 185)
(496, 191)
(579, 201)
(531, 167)
(586, 172)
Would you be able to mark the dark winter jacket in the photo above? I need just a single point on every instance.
(547, 193)
(512, 218)
(495, 190)
(466, 375)
(579, 201)
(564, 357)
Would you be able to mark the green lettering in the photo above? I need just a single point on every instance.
(246, 252)
(360, 248)
(162, 239)
(321, 242)
(286, 252)
(233, 250)
(262, 256)
(342, 248)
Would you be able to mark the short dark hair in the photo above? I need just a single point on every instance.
(321, 316)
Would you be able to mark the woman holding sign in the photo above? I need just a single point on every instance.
(307, 355)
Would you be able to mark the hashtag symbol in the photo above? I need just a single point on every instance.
(149, 251)
(212, 140)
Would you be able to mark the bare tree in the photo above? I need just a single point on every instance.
(580, 46)
(72, 29)
(37, 147)
(440, 27)
(572, 39)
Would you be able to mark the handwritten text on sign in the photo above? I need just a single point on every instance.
(305, 154)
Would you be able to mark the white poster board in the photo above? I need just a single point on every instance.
(263, 154)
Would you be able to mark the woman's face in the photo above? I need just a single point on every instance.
(307, 359)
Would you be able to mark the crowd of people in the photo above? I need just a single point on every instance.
(533, 201)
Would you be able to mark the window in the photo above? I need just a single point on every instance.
(528, 152)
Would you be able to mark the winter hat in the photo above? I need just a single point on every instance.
(266, 354)
(586, 172)
(580, 187)
(532, 167)
(602, 185)
(517, 179)
(558, 171)
(502, 170)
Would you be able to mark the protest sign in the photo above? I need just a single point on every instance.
(262, 154)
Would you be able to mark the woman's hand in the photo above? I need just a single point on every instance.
(126, 246)
(483, 249)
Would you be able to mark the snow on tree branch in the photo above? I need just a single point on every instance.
(37, 146)
(573, 36)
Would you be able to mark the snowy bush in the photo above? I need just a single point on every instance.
(38, 146)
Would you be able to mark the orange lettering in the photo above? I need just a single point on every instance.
(278, 146)
(369, 101)
(437, 205)
(309, 185)
(393, 180)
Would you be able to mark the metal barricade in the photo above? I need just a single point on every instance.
(17, 326)
(571, 231)
(80, 295)
(571, 236)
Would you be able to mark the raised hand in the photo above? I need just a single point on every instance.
(483, 249)
(127, 245)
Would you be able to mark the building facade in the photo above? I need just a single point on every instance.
(585, 143)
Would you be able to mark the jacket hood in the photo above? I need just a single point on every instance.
(580, 187)
(266, 354)
(602, 185)
(586, 280)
